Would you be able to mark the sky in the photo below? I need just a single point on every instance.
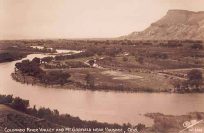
(43, 19)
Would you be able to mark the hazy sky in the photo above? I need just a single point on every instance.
(32, 19)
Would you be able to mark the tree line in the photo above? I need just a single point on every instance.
(193, 83)
(32, 68)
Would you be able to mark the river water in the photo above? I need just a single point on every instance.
(112, 107)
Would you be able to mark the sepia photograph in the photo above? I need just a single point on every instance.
(101, 66)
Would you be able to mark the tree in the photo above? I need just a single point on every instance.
(23, 66)
(64, 77)
(57, 77)
(33, 111)
(176, 84)
(90, 80)
(195, 78)
(56, 112)
(31, 68)
(36, 61)
(140, 60)
(197, 46)
(20, 104)
(140, 127)
(6, 99)
(125, 59)
(47, 59)
(180, 85)
(91, 62)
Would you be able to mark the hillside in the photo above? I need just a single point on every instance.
(12, 119)
(176, 24)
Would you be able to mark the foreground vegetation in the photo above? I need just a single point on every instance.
(55, 117)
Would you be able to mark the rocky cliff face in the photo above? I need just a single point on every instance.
(176, 24)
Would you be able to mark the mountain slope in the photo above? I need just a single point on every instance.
(176, 24)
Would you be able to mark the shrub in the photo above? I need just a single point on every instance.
(90, 80)
(20, 104)
(125, 59)
(6, 99)
(140, 59)
(195, 78)
(56, 77)
(197, 46)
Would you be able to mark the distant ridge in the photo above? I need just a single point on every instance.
(175, 25)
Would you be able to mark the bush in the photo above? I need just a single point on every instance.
(56, 77)
(20, 104)
(6, 99)
(140, 59)
(47, 59)
(159, 55)
(195, 78)
(31, 68)
(90, 80)
(197, 46)
(125, 59)
(140, 127)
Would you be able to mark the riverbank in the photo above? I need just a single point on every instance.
(11, 56)
(13, 52)
(191, 122)
(30, 80)
(77, 85)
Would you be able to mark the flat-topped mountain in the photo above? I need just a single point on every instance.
(176, 24)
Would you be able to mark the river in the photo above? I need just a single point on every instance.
(112, 107)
